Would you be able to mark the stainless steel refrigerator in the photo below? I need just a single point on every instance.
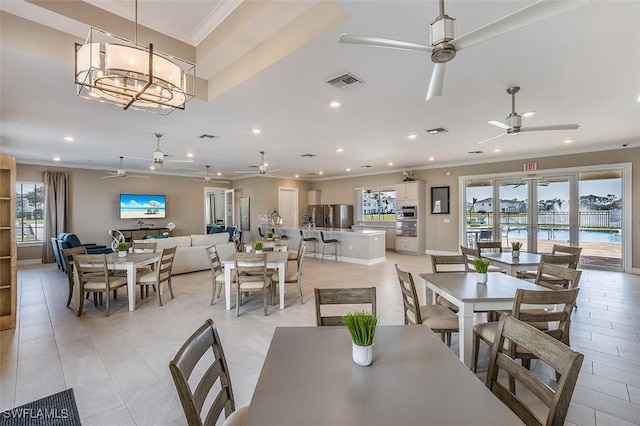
(317, 215)
(330, 216)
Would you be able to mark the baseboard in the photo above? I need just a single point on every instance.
(367, 262)
(441, 252)
(29, 262)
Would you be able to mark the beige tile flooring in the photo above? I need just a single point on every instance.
(118, 366)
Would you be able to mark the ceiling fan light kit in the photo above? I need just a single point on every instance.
(118, 71)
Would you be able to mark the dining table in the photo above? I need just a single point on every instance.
(463, 290)
(129, 263)
(506, 261)
(309, 378)
(275, 260)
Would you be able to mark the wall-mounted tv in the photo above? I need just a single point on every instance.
(142, 206)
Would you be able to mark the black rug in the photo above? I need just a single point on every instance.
(58, 409)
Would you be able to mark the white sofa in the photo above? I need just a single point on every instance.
(191, 255)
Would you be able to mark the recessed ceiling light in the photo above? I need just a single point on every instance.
(496, 150)
(152, 167)
(390, 163)
(431, 158)
(320, 173)
(335, 104)
(412, 136)
(528, 113)
(568, 140)
(69, 139)
(189, 154)
(348, 169)
(297, 176)
(256, 131)
(219, 174)
(339, 149)
(56, 158)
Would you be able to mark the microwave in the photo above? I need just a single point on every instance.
(407, 213)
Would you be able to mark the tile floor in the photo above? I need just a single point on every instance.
(118, 366)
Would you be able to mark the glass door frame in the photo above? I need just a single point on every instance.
(574, 173)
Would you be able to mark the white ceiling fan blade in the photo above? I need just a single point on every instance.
(138, 176)
(178, 161)
(437, 81)
(140, 158)
(110, 176)
(274, 170)
(247, 171)
(553, 127)
(499, 124)
(489, 139)
(383, 42)
(523, 17)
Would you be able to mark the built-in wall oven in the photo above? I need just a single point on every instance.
(407, 221)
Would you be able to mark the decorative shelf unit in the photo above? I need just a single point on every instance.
(8, 252)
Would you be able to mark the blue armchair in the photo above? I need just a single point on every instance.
(56, 253)
(69, 240)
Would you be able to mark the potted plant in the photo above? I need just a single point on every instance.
(122, 249)
(269, 235)
(257, 246)
(362, 326)
(482, 267)
(515, 249)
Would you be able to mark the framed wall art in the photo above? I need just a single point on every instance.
(440, 200)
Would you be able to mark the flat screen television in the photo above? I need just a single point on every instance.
(142, 206)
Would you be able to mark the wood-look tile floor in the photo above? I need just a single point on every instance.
(118, 366)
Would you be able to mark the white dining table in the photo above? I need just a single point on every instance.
(130, 263)
(309, 378)
(463, 290)
(526, 261)
(275, 260)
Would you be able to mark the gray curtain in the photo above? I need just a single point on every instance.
(56, 208)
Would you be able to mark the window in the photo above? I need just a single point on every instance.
(29, 212)
(377, 204)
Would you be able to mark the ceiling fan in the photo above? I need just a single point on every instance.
(262, 168)
(513, 123)
(444, 43)
(159, 157)
(122, 173)
(208, 179)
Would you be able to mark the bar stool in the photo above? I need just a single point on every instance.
(325, 242)
(308, 239)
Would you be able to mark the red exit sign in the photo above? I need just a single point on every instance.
(530, 166)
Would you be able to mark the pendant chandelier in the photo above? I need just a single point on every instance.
(118, 71)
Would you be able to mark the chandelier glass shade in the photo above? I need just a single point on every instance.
(114, 70)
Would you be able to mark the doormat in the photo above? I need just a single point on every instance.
(58, 409)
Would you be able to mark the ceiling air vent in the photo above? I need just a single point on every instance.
(312, 173)
(436, 131)
(208, 136)
(345, 81)
(475, 152)
(308, 155)
(366, 166)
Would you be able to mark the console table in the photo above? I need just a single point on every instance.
(140, 233)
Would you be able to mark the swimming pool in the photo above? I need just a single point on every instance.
(563, 235)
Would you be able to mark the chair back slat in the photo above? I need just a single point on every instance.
(342, 296)
(450, 260)
(410, 297)
(556, 276)
(145, 247)
(489, 246)
(576, 251)
(214, 260)
(470, 255)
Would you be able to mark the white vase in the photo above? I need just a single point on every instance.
(258, 251)
(515, 254)
(481, 278)
(122, 254)
(362, 355)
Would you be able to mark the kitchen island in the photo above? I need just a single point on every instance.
(362, 246)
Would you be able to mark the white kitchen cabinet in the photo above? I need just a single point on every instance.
(407, 244)
(409, 191)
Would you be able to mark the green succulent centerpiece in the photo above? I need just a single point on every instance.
(258, 245)
(515, 249)
(122, 249)
(362, 326)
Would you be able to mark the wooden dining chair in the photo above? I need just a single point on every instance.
(217, 274)
(472, 254)
(564, 301)
(67, 258)
(251, 276)
(447, 264)
(94, 277)
(216, 377)
(293, 276)
(438, 318)
(160, 274)
(568, 260)
(512, 333)
(342, 296)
